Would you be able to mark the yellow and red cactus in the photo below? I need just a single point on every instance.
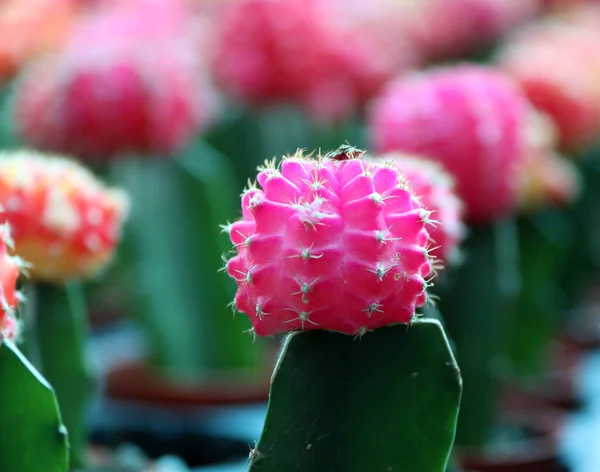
(64, 221)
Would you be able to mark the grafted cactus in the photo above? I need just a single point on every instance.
(65, 223)
(371, 404)
(336, 249)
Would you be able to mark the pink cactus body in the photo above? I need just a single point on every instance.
(558, 66)
(468, 118)
(329, 244)
(125, 84)
(435, 190)
(300, 51)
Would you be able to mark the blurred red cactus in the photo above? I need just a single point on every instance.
(312, 52)
(126, 83)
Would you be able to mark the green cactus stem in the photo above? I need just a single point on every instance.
(544, 240)
(32, 436)
(248, 136)
(387, 401)
(584, 255)
(477, 300)
(59, 334)
(175, 252)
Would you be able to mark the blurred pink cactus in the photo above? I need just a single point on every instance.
(469, 118)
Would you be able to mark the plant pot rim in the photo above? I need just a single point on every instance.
(556, 389)
(138, 381)
(540, 455)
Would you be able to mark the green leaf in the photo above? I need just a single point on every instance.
(385, 402)
(32, 437)
(60, 331)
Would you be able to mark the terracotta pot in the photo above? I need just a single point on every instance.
(136, 381)
(582, 327)
(538, 452)
(557, 387)
(555, 390)
(138, 398)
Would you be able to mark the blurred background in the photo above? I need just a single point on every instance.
(178, 101)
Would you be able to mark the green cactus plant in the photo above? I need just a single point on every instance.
(32, 436)
(57, 343)
(387, 401)
(544, 240)
(489, 278)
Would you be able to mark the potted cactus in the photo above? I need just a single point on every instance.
(476, 122)
(535, 58)
(65, 224)
(28, 407)
(568, 38)
(130, 96)
(333, 250)
(549, 183)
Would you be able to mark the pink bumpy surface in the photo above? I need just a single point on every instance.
(337, 245)
(435, 190)
(470, 119)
